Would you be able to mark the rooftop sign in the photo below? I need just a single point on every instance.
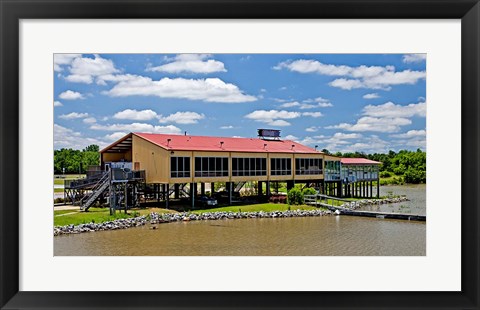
(269, 133)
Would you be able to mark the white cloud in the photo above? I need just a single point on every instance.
(115, 136)
(57, 104)
(374, 77)
(411, 134)
(60, 60)
(412, 138)
(135, 115)
(368, 123)
(273, 117)
(209, 90)
(71, 95)
(73, 115)
(138, 127)
(290, 104)
(90, 120)
(307, 104)
(264, 116)
(312, 129)
(67, 138)
(278, 123)
(387, 117)
(182, 118)
(84, 69)
(291, 137)
(343, 136)
(351, 142)
(393, 110)
(74, 78)
(410, 58)
(103, 79)
(227, 127)
(371, 96)
(312, 114)
(191, 63)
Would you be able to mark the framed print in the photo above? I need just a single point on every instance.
(239, 155)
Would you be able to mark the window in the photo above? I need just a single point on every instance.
(332, 170)
(242, 166)
(280, 166)
(180, 167)
(211, 166)
(308, 166)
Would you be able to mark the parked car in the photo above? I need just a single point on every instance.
(205, 201)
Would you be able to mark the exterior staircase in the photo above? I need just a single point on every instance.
(239, 186)
(99, 188)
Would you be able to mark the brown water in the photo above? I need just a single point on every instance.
(318, 236)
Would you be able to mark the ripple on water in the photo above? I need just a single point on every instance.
(314, 236)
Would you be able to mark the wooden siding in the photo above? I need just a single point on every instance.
(153, 159)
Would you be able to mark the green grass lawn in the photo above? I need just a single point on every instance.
(99, 215)
(60, 212)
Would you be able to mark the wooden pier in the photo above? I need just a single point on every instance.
(332, 203)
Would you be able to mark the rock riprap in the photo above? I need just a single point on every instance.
(372, 202)
(157, 218)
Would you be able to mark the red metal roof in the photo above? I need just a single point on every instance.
(204, 143)
(358, 161)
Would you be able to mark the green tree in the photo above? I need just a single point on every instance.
(92, 148)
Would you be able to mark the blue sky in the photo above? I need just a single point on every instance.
(341, 102)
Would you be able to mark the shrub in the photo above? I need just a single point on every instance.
(282, 199)
(294, 197)
(415, 176)
(385, 174)
(309, 191)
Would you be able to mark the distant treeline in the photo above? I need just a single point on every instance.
(409, 166)
(75, 161)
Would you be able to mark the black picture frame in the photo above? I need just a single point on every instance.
(12, 11)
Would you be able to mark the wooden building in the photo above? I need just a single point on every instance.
(173, 163)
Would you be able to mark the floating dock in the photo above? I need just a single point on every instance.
(322, 200)
(381, 215)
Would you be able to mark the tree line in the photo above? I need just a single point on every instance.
(409, 165)
(70, 161)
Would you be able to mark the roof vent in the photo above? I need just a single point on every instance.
(221, 144)
(168, 142)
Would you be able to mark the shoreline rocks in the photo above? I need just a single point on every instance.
(156, 218)
(354, 205)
